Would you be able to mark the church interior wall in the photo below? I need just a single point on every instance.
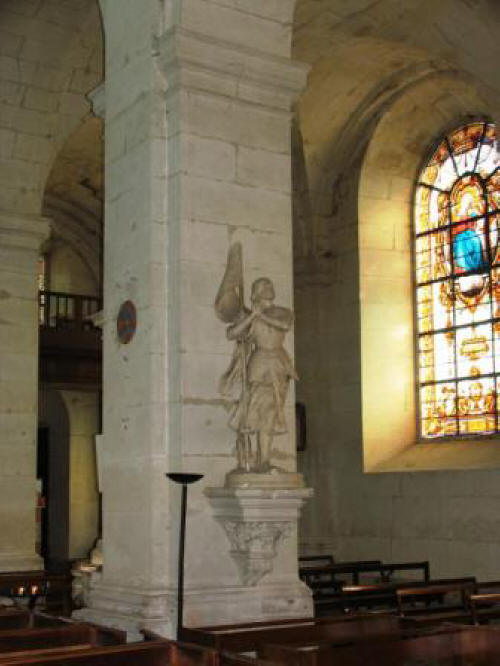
(194, 162)
(353, 296)
(53, 415)
(68, 273)
(82, 408)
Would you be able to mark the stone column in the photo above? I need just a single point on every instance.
(20, 240)
(230, 88)
(197, 156)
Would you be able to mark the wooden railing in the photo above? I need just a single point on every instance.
(67, 311)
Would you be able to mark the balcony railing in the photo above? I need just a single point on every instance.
(62, 311)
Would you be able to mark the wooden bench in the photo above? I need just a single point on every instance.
(14, 618)
(327, 583)
(375, 596)
(310, 653)
(150, 653)
(331, 572)
(484, 607)
(308, 561)
(469, 646)
(244, 638)
(20, 644)
(453, 646)
(431, 604)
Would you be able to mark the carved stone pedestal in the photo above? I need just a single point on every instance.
(261, 529)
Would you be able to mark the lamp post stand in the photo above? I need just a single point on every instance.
(183, 479)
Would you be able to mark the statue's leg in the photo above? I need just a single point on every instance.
(264, 451)
(240, 451)
(248, 452)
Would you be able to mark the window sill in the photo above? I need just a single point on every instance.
(460, 455)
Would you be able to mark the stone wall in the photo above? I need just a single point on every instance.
(68, 273)
(50, 57)
(82, 408)
(355, 354)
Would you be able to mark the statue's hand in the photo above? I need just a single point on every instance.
(257, 308)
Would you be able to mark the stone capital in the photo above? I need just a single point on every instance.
(191, 60)
(23, 232)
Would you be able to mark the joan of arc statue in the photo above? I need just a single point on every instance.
(260, 370)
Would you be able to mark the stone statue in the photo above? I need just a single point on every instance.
(260, 370)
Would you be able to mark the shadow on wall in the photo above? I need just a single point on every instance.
(53, 416)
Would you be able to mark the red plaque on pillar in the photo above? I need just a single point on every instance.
(126, 322)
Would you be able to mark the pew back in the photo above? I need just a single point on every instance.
(484, 607)
(471, 646)
(14, 618)
(139, 654)
(343, 629)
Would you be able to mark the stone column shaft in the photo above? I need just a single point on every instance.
(20, 240)
(197, 151)
(229, 110)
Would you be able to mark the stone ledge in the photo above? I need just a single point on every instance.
(181, 49)
(459, 455)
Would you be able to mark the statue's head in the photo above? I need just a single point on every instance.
(262, 289)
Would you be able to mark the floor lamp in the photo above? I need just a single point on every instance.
(184, 479)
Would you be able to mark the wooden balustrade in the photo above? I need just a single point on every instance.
(60, 310)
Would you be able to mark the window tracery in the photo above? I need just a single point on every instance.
(457, 269)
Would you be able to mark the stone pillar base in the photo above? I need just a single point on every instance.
(130, 610)
(20, 562)
(258, 522)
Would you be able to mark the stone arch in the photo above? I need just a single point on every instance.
(73, 200)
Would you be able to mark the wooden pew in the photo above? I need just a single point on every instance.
(310, 653)
(20, 643)
(450, 646)
(14, 618)
(306, 561)
(464, 646)
(151, 653)
(431, 604)
(41, 619)
(230, 659)
(331, 572)
(488, 587)
(244, 638)
(327, 584)
(484, 607)
(376, 596)
(385, 571)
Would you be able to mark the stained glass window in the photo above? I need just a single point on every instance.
(457, 265)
